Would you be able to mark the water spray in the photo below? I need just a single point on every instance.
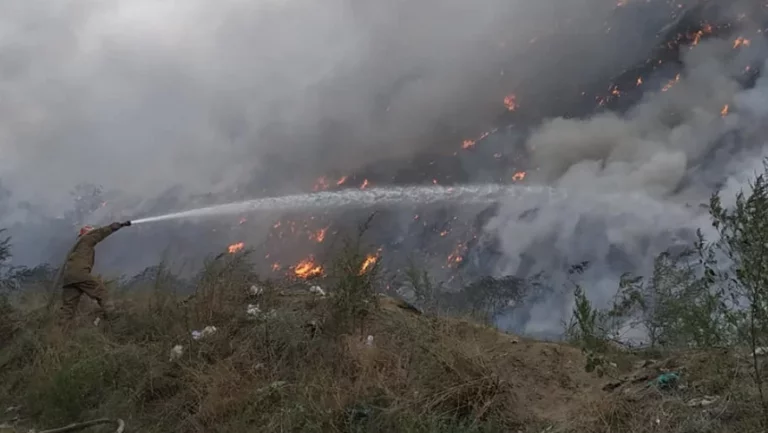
(391, 196)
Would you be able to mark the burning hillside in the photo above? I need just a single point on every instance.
(454, 241)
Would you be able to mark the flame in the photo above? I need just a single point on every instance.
(724, 111)
(365, 184)
(741, 41)
(520, 175)
(370, 260)
(639, 81)
(671, 83)
(444, 233)
(308, 269)
(276, 266)
(510, 101)
(321, 184)
(235, 248)
(318, 236)
(341, 180)
(457, 256)
(468, 144)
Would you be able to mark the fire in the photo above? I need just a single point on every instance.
(520, 175)
(457, 256)
(321, 184)
(341, 181)
(308, 269)
(365, 184)
(236, 248)
(276, 267)
(370, 260)
(510, 101)
(639, 81)
(318, 236)
(724, 111)
(468, 144)
(671, 83)
(741, 41)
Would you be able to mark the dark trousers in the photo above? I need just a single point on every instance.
(93, 288)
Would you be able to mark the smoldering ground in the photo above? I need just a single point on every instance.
(170, 105)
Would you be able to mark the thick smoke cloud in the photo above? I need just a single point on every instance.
(635, 182)
(158, 101)
(141, 96)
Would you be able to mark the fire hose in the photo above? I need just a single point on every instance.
(57, 280)
(83, 425)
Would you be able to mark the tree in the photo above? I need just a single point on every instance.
(743, 242)
(678, 307)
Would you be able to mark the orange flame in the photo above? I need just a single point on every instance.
(341, 181)
(510, 101)
(520, 175)
(308, 269)
(365, 184)
(741, 41)
(671, 83)
(468, 144)
(318, 236)
(235, 248)
(456, 257)
(321, 184)
(639, 81)
(276, 266)
(370, 260)
(724, 111)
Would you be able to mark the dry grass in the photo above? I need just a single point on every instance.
(278, 373)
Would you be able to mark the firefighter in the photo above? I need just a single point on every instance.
(77, 278)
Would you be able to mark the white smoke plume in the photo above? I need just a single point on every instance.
(145, 95)
(636, 182)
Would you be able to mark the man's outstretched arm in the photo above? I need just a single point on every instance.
(99, 234)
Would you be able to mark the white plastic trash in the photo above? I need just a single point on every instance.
(207, 331)
(176, 352)
(253, 310)
(317, 290)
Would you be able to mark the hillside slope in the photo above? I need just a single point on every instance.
(302, 364)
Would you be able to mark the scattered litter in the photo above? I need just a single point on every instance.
(207, 331)
(317, 290)
(705, 401)
(369, 341)
(253, 310)
(667, 381)
(256, 290)
(761, 351)
(176, 352)
(97, 321)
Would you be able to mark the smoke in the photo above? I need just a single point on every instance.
(636, 181)
(169, 105)
(142, 96)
